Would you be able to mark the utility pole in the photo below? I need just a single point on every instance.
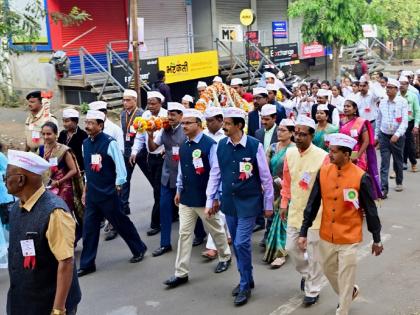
(136, 61)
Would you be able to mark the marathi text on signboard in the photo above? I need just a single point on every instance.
(186, 67)
(284, 54)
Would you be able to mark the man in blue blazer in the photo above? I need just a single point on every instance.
(254, 117)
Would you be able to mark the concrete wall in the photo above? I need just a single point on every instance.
(31, 71)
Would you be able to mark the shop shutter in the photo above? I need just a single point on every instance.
(268, 11)
(109, 18)
(164, 19)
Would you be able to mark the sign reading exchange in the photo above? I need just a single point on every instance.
(284, 53)
(186, 67)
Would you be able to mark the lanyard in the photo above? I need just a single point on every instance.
(128, 123)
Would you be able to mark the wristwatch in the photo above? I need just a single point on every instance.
(378, 244)
(56, 311)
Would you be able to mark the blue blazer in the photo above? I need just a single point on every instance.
(253, 122)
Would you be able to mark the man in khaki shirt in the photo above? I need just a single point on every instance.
(38, 116)
(42, 234)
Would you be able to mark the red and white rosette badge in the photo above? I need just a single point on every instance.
(245, 170)
(53, 164)
(96, 164)
(175, 154)
(351, 196)
(28, 252)
(198, 162)
(305, 181)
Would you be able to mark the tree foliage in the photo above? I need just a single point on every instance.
(331, 21)
(398, 18)
(75, 17)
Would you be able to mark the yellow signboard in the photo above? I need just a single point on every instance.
(186, 67)
(246, 17)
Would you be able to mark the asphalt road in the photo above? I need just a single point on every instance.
(389, 283)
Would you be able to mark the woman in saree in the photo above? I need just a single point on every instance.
(323, 128)
(63, 178)
(275, 253)
(364, 154)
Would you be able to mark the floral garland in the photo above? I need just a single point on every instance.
(151, 124)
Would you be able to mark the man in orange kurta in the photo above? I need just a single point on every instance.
(344, 190)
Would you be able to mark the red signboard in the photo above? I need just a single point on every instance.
(312, 51)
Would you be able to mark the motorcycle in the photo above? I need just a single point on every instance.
(61, 63)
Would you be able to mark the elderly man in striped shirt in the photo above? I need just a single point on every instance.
(391, 125)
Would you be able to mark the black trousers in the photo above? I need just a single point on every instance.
(151, 166)
(110, 208)
(410, 146)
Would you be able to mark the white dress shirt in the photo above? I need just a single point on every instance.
(220, 134)
(367, 106)
(392, 117)
(141, 139)
(115, 132)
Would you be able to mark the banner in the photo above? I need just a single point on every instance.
(370, 31)
(186, 67)
(279, 29)
(253, 55)
(284, 54)
(231, 32)
(313, 50)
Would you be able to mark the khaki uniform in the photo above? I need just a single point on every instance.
(33, 125)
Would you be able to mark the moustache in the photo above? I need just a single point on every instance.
(225, 130)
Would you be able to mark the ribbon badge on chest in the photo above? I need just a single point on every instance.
(305, 181)
(198, 162)
(96, 164)
(351, 196)
(28, 252)
(175, 154)
(245, 169)
(53, 164)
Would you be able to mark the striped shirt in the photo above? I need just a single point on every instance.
(392, 117)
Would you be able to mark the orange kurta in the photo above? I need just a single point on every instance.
(341, 222)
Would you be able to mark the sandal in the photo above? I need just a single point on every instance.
(278, 262)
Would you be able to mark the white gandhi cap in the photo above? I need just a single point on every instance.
(268, 110)
(70, 113)
(95, 114)
(213, 111)
(305, 121)
(192, 113)
(342, 140)
(130, 93)
(233, 112)
(175, 106)
(236, 81)
(97, 105)
(28, 161)
(188, 98)
(156, 94)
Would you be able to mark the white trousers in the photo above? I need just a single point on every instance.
(309, 267)
(210, 243)
(187, 220)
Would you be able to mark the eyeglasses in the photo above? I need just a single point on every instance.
(5, 176)
(283, 130)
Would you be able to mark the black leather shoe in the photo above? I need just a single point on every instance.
(174, 281)
(127, 211)
(222, 266)
(384, 195)
(152, 232)
(302, 284)
(197, 241)
(258, 228)
(236, 290)
(242, 297)
(84, 272)
(138, 258)
(111, 235)
(308, 300)
(161, 250)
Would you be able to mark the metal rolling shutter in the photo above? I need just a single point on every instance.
(227, 12)
(164, 19)
(268, 11)
(109, 27)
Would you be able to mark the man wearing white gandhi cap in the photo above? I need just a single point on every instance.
(110, 128)
(188, 101)
(151, 161)
(197, 163)
(323, 98)
(130, 112)
(247, 190)
(42, 233)
(72, 135)
(201, 87)
(301, 165)
(105, 174)
(344, 190)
